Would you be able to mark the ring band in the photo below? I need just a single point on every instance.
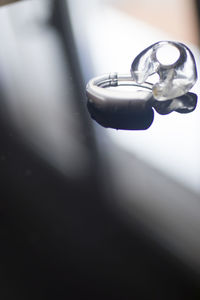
(98, 93)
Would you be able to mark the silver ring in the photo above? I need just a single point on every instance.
(175, 79)
(119, 108)
(98, 93)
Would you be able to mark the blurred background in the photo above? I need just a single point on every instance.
(88, 212)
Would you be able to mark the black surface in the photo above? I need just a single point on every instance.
(134, 117)
(59, 238)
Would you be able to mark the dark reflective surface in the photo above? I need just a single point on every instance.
(184, 104)
(137, 116)
(134, 117)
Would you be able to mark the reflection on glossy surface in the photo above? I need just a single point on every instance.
(135, 117)
(184, 104)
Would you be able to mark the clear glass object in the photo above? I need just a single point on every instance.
(175, 65)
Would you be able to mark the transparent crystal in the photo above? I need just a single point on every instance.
(177, 73)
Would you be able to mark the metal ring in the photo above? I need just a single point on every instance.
(175, 79)
(98, 92)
